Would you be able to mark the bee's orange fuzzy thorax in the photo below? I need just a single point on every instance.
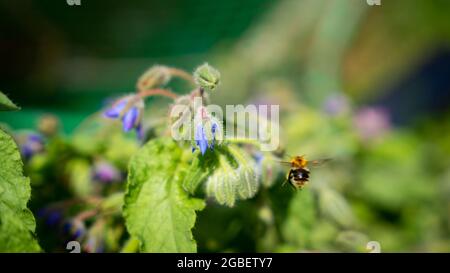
(299, 162)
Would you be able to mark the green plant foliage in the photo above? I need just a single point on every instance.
(17, 223)
(79, 173)
(157, 210)
(6, 104)
(235, 177)
(141, 190)
(198, 171)
(300, 220)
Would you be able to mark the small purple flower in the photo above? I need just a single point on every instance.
(74, 228)
(372, 122)
(106, 173)
(94, 244)
(213, 131)
(51, 216)
(200, 138)
(206, 129)
(258, 157)
(140, 131)
(335, 105)
(33, 144)
(131, 115)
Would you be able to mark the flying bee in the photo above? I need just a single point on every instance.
(299, 173)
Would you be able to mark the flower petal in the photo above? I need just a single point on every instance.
(129, 120)
(115, 110)
(200, 138)
(140, 131)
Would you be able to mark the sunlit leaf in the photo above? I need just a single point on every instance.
(157, 210)
(17, 223)
(6, 104)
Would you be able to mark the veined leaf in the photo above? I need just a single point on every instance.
(6, 104)
(157, 211)
(17, 223)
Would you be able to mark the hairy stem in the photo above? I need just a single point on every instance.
(157, 92)
(181, 74)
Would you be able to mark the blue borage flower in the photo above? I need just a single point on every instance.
(33, 144)
(205, 136)
(131, 115)
(200, 138)
(51, 216)
(74, 228)
(205, 132)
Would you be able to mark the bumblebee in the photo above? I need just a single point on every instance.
(299, 173)
(298, 178)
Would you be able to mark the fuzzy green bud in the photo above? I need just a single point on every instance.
(207, 77)
(155, 76)
(48, 125)
(222, 183)
(234, 178)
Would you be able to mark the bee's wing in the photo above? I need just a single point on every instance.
(284, 162)
(318, 162)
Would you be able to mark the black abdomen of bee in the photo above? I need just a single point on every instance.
(299, 174)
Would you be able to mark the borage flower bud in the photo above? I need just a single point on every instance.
(155, 76)
(129, 109)
(207, 77)
(233, 179)
(48, 125)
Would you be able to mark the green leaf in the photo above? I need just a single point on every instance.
(6, 104)
(157, 211)
(17, 223)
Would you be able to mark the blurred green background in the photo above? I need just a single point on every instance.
(67, 59)
(300, 54)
